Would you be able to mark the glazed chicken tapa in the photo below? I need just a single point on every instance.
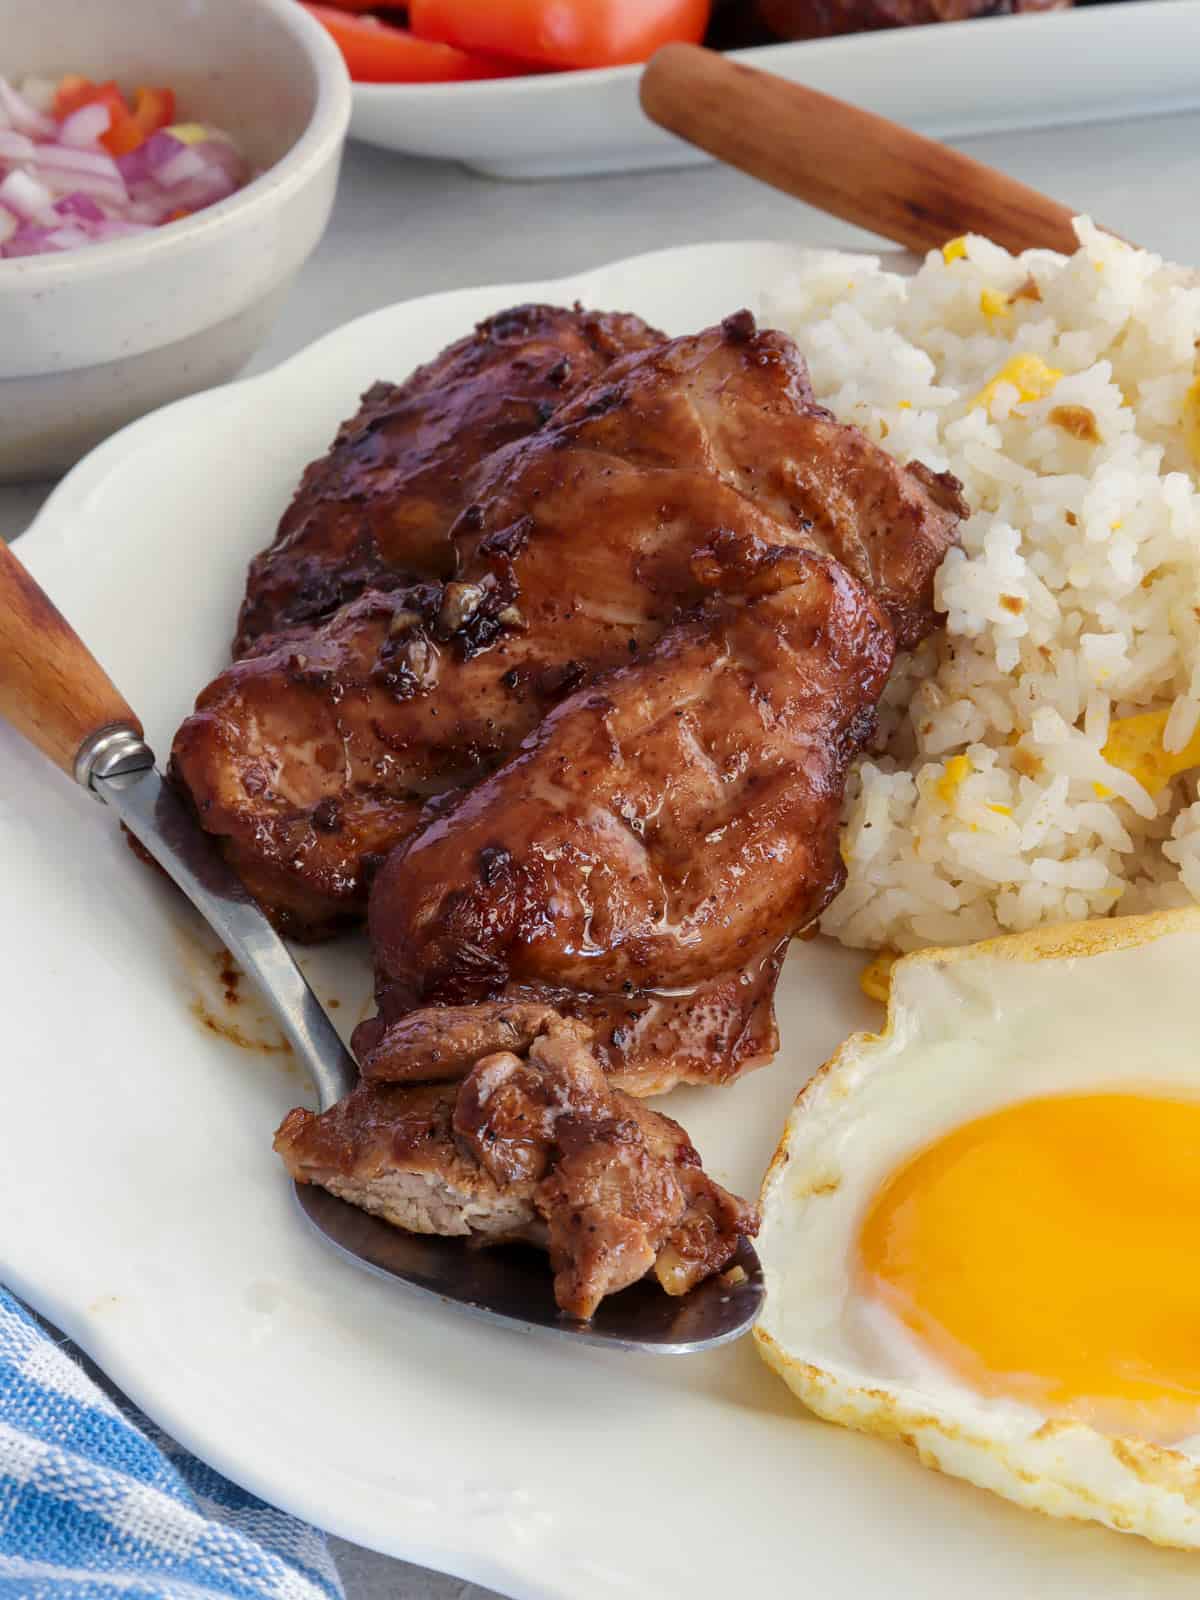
(555, 671)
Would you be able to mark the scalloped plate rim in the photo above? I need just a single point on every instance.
(495, 1531)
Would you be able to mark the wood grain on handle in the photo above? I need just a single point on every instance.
(847, 162)
(52, 689)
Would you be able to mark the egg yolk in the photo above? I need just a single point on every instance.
(1048, 1252)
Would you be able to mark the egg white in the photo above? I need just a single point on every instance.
(1093, 1007)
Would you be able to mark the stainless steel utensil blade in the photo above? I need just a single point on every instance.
(159, 820)
(506, 1285)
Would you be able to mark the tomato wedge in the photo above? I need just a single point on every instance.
(376, 52)
(562, 33)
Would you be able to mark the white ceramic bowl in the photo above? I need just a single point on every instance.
(92, 338)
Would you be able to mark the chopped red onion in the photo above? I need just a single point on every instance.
(149, 211)
(24, 195)
(15, 147)
(159, 148)
(85, 126)
(16, 112)
(178, 168)
(205, 190)
(81, 206)
(132, 166)
(225, 154)
(60, 189)
(55, 158)
(99, 187)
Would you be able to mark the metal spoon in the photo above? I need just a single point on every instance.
(58, 696)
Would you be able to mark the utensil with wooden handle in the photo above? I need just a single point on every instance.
(55, 693)
(843, 160)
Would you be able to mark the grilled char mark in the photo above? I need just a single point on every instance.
(375, 511)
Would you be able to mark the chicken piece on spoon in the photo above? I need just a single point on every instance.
(534, 1147)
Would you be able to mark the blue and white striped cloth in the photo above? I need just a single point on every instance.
(97, 1504)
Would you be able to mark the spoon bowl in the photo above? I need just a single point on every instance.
(511, 1284)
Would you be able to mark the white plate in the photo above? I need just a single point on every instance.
(145, 1214)
(1099, 63)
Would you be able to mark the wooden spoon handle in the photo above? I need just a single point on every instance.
(848, 162)
(52, 690)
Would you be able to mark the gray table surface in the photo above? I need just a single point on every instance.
(403, 228)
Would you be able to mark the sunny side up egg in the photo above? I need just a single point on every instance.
(982, 1227)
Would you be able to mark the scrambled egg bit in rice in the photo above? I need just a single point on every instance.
(1038, 761)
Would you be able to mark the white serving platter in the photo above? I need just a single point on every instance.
(145, 1214)
(1096, 63)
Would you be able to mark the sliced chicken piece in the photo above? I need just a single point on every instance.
(376, 509)
(658, 838)
(534, 1147)
(392, 1151)
(719, 430)
(576, 554)
(442, 1044)
(313, 758)
(709, 1032)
